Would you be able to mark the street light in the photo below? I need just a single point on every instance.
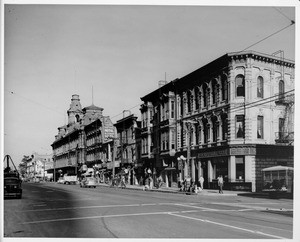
(181, 160)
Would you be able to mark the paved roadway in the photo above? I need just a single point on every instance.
(68, 211)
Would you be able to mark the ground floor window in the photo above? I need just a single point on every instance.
(240, 167)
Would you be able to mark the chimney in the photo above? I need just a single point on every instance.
(161, 83)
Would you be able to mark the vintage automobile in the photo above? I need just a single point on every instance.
(61, 180)
(12, 187)
(88, 182)
(12, 180)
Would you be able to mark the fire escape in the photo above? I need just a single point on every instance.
(286, 124)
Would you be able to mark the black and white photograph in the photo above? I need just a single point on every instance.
(150, 120)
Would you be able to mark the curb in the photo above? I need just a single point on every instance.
(206, 193)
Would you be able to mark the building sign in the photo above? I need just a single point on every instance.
(109, 130)
(224, 152)
(110, 165)
(242, 151)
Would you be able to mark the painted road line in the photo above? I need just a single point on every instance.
(191, 206)
(106, 216)
(85, 207)
(105, 206)
(248, 205)
(39, 205)
(229, 226)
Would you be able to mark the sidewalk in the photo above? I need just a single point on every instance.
(206, 192)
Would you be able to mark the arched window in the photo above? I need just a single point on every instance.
(260, 87)
(224, 127)
(205, 130)
(215, 128)
(204, 94)
(189, 101)
(224, 84)
(197, 95)
(281, 90)
(214, 91)
(240, 86)
(77, 118)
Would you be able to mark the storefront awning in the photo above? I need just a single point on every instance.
(278, 168)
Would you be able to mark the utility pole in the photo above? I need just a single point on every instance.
(114, 155)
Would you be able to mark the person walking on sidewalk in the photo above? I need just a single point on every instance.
(220, 183)
(201, 181)
(122, 183)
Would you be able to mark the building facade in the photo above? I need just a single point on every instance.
(37, 166)
(232, 117)
(128, 147)
(83, 141)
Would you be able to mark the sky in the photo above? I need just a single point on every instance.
(112, 55)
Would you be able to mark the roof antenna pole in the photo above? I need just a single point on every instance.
(92, 95)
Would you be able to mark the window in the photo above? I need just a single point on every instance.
(77, 118)
(281, 90)
(172, 109)
(239, 126)
(260, 87)
(172, 139)
(224, 128)
(281, 128)
(198, 130)
(205, 131)
(181, 105)
(204, 95)
(240, 86)
(189, 101)
(240, 167)
(162, 111)
(224, 87)
(260, 127)
(197, 95)
(214, 91)
(215, 129)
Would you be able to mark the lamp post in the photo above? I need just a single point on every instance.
(181, 160)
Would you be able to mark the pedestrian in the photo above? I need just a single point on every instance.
(220, 183)
(123, 185)
(150, 182)
(201, 181)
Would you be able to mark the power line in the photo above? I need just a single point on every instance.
(283, 14)
(292, 23)
(127, 109)
(30, 100)
(241, 107)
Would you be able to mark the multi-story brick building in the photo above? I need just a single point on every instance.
(231, 117)
(85, 140)
(128, 146)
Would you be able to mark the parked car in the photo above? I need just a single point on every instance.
(61, 180)
(88, 182)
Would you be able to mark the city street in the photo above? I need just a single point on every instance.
(68, 211)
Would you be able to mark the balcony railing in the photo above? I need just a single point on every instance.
(284, 137)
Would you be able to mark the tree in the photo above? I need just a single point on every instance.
(23, 165)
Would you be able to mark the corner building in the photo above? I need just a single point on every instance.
(85, 140)
(232, 117)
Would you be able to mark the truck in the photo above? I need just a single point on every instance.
(70, 179)
(12, 180)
